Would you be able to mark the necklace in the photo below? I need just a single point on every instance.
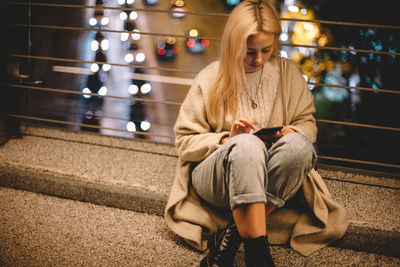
(253, 102)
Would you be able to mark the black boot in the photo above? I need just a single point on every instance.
(257, 253)
(222, 248)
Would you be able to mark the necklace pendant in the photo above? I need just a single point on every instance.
(253, 105)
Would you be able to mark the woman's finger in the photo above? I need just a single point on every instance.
(241, 124)
(248, 123)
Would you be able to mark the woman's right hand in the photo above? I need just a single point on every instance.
(240, 126)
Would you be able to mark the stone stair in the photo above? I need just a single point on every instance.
(134, 176)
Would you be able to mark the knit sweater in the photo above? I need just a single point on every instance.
(261, 86)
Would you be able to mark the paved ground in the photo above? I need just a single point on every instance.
(41, 230)
(133, 178)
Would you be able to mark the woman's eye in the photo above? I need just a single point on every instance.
(266, 51)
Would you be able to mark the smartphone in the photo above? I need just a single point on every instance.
(266, 131)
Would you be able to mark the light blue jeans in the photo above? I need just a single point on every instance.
(243, 171)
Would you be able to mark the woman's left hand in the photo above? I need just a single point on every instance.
(275, 136)
(284, 131)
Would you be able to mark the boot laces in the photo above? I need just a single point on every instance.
(226, 243)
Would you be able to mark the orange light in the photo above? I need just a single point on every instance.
(205, 42)
(175, 50)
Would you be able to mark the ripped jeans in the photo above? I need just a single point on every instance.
(243, 171)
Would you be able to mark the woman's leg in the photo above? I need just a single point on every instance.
(234, 178)
(251, 223)
(250, 220)
(290, 160)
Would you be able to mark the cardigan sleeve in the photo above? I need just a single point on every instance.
(195, 138)
(301, 105)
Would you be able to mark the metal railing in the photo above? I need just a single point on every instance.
(163, 102)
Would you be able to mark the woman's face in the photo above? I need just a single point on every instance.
(260, 47)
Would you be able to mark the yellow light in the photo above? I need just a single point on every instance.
(323, 40)
(293, 9)
(170, 40)
(308, 26)
(179, 3)
(193, 33)
(305, 33)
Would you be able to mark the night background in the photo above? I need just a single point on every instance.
(319, 66)
(89, 96)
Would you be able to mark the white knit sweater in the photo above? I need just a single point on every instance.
(265, 96)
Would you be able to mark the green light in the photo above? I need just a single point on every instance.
(232, 2)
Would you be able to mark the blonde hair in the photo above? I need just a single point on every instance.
(248, 18)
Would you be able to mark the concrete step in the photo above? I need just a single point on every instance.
(42, 230)
(136, 175)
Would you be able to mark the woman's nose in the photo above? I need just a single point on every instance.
(258, 58)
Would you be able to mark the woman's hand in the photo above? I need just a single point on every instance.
(240, 126)
(275, 136)
(284, 131)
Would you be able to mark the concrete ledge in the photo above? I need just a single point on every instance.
(357, 238)
(100, 194)
(370, 240)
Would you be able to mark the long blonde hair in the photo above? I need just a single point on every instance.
(248, 18)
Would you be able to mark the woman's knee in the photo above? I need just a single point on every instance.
(296, 150)
(248, 147)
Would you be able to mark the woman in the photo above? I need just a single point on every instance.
(232, 186)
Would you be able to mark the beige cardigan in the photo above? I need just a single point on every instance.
(314, 221)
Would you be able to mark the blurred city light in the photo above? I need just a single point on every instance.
(145, 125)
(133, 15)
(129, 58)
(105, 21)
(124, 36)
(94, 67)
(133, 89)
(232, 2)
(145, 88)
(311, 86)
(140, 57)
(105, 44)
(284, 37)
(86, 91)
(92, 21)
(131, 127)
(161, 51)
(193, 33)
(94, 45)
(284, 54)
(103, 91)
(293, 9)
(135, 35)
(123, 15)
(106, 67)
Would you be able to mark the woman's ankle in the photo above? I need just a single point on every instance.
(257, 252)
